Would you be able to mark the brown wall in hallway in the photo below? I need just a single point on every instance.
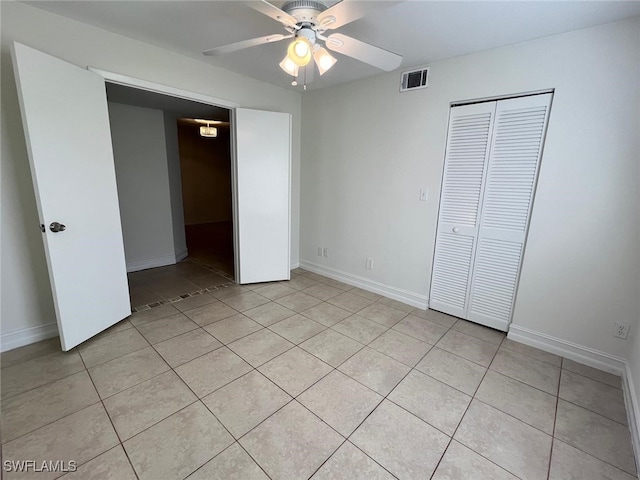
(205, 165)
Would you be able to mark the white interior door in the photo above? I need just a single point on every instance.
(465, 165)
(514, 161)
(263, 179)
(66, 124)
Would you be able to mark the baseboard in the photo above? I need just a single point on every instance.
(155, 262)
(631, 404)
(26, 336)
(294, 265)
(404, 296)
(181, 256)
(581, 354)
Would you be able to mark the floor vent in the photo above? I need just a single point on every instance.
(414, 79)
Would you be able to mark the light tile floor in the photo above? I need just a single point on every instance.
(309, 378)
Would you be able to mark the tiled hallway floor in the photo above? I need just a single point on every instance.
(168, 284)
(309, 378)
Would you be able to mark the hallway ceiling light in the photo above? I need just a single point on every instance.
(208, 131)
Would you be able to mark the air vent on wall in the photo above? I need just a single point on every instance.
(413, 79)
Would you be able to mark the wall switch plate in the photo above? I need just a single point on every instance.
(325, 252)
(319, 251)
(369, 264)
(424, 194)
(621, 330)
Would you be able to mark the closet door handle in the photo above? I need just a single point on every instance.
(455, 229)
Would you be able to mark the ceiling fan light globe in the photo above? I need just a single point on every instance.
(299, 51)
(324, 60)
(289, 66)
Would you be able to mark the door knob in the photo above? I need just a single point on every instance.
(455, 229)
(57, 227)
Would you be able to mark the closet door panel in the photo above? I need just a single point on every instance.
(470, 128)
(516, 148)
(451, 270)
(495, 277)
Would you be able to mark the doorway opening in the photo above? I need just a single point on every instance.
(73, 156)
(175, 194)
(205, 170)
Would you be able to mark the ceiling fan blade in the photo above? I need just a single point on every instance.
(382, 59)
(232, 47)
(347, 11)
(274, 12)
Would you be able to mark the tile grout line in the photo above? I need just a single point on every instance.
(451, 439)
(558, 398)
(85, 369)
(3, 399)
(120, 443)
(198, 399)
(369, 414)
(590, 378)
(346, 438)
(178, 299)
(522, 383)
(310, 386)
(385, 397)
(532, 357)
(554, 395)
(57, 419)
(487, 368)
(555, 421)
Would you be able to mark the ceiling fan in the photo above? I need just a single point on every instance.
(306, 21)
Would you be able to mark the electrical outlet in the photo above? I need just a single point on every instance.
(424, 194)
(621, 330)
(369, 264)
(319, 251)
(325, 252)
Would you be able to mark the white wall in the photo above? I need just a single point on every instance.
(367, 150)
(26, 304)
(140, 155)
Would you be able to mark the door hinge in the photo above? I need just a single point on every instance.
(42, 229)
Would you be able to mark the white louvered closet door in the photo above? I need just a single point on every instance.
(470, 128)
(490, 172)
(516, 149)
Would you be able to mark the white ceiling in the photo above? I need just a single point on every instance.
(421, 31)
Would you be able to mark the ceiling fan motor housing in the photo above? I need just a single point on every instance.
(308, 33)
(304, 11)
